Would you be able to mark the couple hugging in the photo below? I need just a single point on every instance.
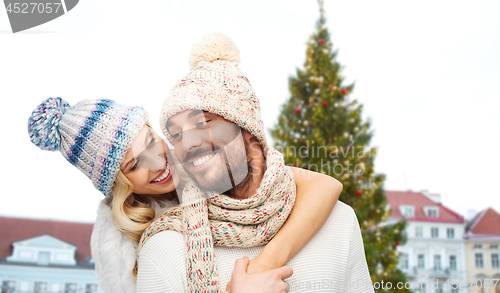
(221, 211)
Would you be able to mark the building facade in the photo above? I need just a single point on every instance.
(40, 256)
(482, 245)
(433, 258)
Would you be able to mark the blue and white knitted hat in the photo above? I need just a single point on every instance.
(93, 135)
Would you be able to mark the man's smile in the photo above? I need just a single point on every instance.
(203, 161)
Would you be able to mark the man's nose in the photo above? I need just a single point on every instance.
(191, 139)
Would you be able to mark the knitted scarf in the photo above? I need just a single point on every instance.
(226, 221)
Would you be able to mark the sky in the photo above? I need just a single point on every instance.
(426, 72)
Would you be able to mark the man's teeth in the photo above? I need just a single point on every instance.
(202, 160)
(165, 174)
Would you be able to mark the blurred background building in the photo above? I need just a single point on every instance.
(482, 242)
(435, 249)
(43, 256)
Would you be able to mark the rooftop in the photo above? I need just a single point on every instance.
(419, 200)
(485, 223)
(16, 229)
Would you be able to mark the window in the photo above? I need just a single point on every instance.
(434, 232)
(70, 288)
(403, 261)
(408, 211)
(421, 261)
(424, 287)
(43, 258)
(41, 287)
(432, 212)
(480, 286)
(478, 246)
(8, 286)
(493, 246)
(91, 288)
(496, 289)
(479, 260)
(453, 263)
(419, 232)
(450, 232)
(494, 261)
(437, 262)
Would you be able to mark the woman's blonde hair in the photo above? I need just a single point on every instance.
(132, 212)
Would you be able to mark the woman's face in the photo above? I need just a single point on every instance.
(146, 165)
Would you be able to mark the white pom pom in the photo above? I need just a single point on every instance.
(213, 47)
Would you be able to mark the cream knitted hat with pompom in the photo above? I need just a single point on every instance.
(216, 84)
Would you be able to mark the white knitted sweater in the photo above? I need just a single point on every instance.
(113, 253)
(332, 261)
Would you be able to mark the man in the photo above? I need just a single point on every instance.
(212, 117)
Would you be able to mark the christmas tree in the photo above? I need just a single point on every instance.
(320, 129)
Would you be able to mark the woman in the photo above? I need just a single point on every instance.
(98, 137)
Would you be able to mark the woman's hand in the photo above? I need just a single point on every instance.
(270, 281)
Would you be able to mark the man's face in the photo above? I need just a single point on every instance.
(211, 149)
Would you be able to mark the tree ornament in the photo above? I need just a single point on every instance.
(321, 41)
(397, 243)
(358, 192)
(331, 87)
(344, 91)
(297, 110)
(325, 51)
(312, 99)
(321, 79)
(325, 103)
(316, 91)
(306, 123)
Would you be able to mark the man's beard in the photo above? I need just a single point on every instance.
(244, 185)
(239, 179)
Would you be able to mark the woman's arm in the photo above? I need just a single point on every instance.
(317, 195)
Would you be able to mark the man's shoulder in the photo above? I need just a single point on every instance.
(339, 226)
(342, 214)
(343, 207)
